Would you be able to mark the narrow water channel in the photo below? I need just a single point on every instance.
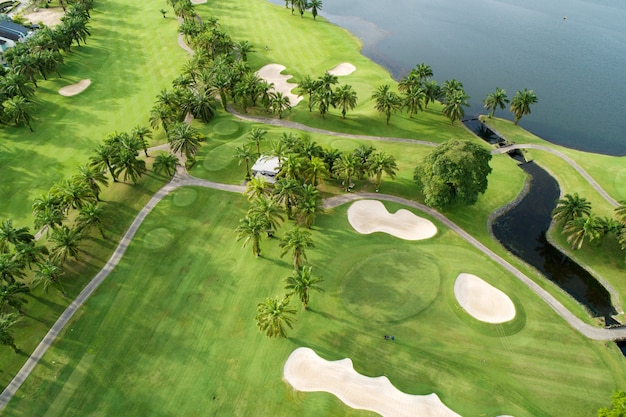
(522, 230)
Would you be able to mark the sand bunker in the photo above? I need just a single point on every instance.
(272, 73)
(483, 301)
(345, 68)
(49, 17)
(198, 1)
(306, 371)
(72, 90)
(369, 216)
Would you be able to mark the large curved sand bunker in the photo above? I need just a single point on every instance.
(483, 301)
(306, 371)
(345, 68)
(72, 90)
(272, 74)
(369, 216)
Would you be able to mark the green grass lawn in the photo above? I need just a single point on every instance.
(131, 55)
(171, 331)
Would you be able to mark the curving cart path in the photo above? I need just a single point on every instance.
(182, 178)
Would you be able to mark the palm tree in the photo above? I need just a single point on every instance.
(162, 116)
(66, 243)
(309, 85)
(10, 268)
(432, 92)
(257, 135)
(73, 194)
(11, 296)
(449, 87)
(7, 321)
(286, 191)
(257, 187)
(316, 170)
(455, 101)
(250, 229)
(521, 102)
(386, 101)
(583, 228)
(15, 84)
(315, 6)
(291, 167)
(92, 178)
(102, 158)
(496, 99)
(298, 241)
(301, 5)
(184, 139)
(29, 253)
(48, 274)
(331, 155)
(620, 212)
(346, 167)
(165, 163)
(309, 205)
(126, 160)
(273, 315)
(243, 48)
(279, 103)
(201, 104)
(142, 134)
(301, 282)
(345, 98)
(413, 100)
(17, 110)
(569, 208)
(423, 71)
(91, 215)
(12, 235)
(268, 211)
(379, 163)
(244, 154)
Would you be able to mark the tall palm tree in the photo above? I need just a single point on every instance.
(301, 283)
(7, 321)
(496, 99)
(449, 87)
(17, 110)
(280, 103)
(423, 71)
(48, 274)
(12, 235)
(65, 244)
(292, 167)
(297, 241)
(29, 253)
(73, 194)
(15, 84)
(331, 155)
(413, 100)
(273, 315)
(346, 167)
(142, 134)
(315, 6)
(11, 296)
(10, 268)
(432, 92)
(250, 229)
(309, 205)
(126, 161)
(620, 212)
(455, 101)
(316, 170)
(91, 215)
(243, 48)
(244, 154)
(286, 192)
(165, 163)
(257, 136)
(345, 98)
(386, 101)
(379, 163)
(521, 102)
(258, 187)
(583, 228)
(93, 178)
(570, 207)
(185, 139)
(308, 85)
(202, 105)
(163, 116)
(102, 159)
(268, 211)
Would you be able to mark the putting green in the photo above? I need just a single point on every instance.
(226, 128)
(391, 286)
(185, 196)
(157, 238)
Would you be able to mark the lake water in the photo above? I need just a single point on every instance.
(576, 65)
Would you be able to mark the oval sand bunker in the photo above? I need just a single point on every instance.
(483, 301)
(73, 89)
(342, 69)
(369, 216)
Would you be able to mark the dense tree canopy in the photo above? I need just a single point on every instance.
(455, 172)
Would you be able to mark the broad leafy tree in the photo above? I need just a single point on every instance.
(301, 283)
(454, 173)
(273, 315)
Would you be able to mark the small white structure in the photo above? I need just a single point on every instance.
(266, 166)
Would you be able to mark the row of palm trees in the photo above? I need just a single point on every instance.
(577, 220)
(38, 57)
(520, 103)
(322, 95)
(303, 5)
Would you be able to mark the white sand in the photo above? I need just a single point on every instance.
(49, 17)
(198, 1)
(369, 216)
(344, 68)
(306, 371)
(272, 73)
(73, 89)
(483, 301)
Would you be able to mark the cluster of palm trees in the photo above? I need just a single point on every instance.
(38, 57)
(304, 5)
(322, 95)
(520, 103)
(574, 215)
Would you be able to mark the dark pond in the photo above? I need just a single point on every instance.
(522, 230)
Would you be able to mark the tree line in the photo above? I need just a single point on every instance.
(38, 57)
